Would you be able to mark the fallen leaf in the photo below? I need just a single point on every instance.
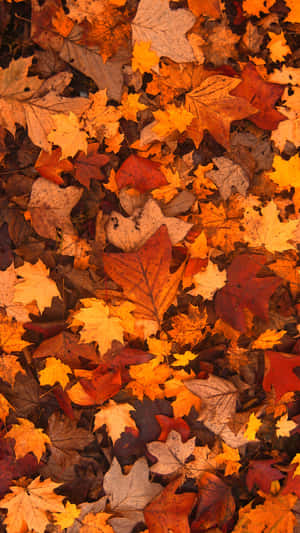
(50, 166)
(87, 166)
(278, 364)
(28, 438)
(55, 372)
(165, 29)
(207, 283)
(116, 417)
(35, 285)
(228, 177)
(171, 455)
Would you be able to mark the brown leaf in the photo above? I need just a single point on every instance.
(145, 276)
(87, 166)
(170, 511)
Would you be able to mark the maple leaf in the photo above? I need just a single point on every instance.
(87, 165)
(116, 417)
(164, 28)
(275, 515)
(128, 495)
(35, 285)
(13, 309)
(148, 378)
(143, 58)
(284, 426)
(230, 457)
(171, 455)
(130, 106)
(96, 522)
(9, 368)
(51, 28)
(32, 102)
(214, 108)
(252, 427)
(65, 130)
(244, 289)
(228, 176)
(28, 506)
(170, 511)
(286, 173)
(219, 397)
(173, 118)
(184, 399)
(268, 339)
(267, 230)
(276, 365)
(263, 95)
(145, 278)
(28, 438)
(65, 346)
(11, 336)
(189, 329)
(262, 474)
(183, 359)
(99, 326)
(208, 282)
(216, 504)
(55, 371)
(67, 516)
(51, 165)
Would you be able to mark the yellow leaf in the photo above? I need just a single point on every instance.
(184, 399)
(191, 328)
(231, 458)
(10, 336)
(278, 47)
(67, 516)
(253, 426)
(35, 285)
(183, 359)
(99, 326)
(143, 59)
(67, 134)
(208, 282)
(296, 460)
(199, 247)
(286, 173)
(130, 106)
(55, 371)
(28, 506)
(171, 119)
(28, 439)
(147, 379)
(96, 523)
(116, 417)
(268, 339)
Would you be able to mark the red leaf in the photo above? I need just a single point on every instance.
(64, 401)
(216, 505)
(168, 424)
(262, 473)
(50, 166)
(140, 173)
(103, 386)
(292, 483)
(87, 166)
(279, 372)
(261, 94)
(244, 289)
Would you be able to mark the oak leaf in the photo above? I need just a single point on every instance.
(99, 325)
(35, 285)
(145, 278)
(165, 29)
(28, 438)
(28, 506)
(214, 108)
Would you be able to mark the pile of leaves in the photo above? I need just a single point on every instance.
(149, 274)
